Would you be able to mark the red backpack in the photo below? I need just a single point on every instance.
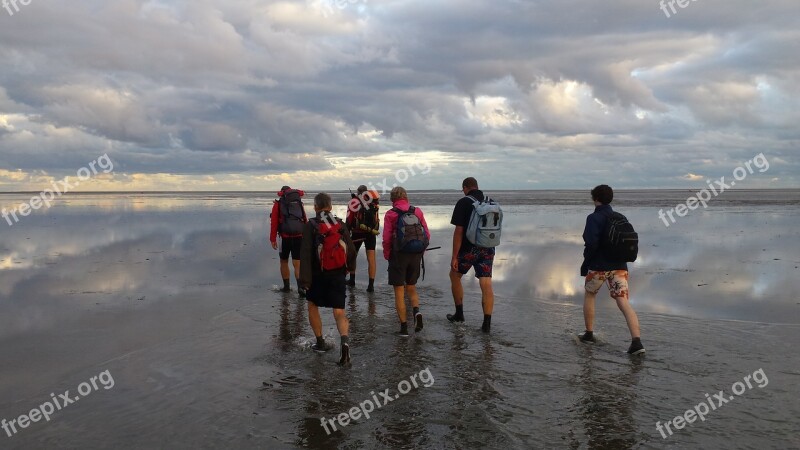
(330, 246)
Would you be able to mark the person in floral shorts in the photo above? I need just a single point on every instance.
(598, 269)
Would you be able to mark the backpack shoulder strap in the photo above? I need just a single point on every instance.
(411, 209)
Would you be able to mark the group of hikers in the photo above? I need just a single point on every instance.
(324, 248)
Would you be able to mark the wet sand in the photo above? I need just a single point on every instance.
(174, 294)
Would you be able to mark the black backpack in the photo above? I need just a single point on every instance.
(292, 213)
(367, 215)
(621, 243)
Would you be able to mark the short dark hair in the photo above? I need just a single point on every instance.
(361, 189)
(603, 194)
(322, 201)
(469, 182)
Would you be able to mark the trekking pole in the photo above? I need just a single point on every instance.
(433, 248)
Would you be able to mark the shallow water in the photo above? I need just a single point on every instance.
(173, 294)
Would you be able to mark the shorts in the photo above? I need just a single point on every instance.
(404, 268)
(617, 282)
(478, 257)
(328, 289)
(291, 245)
(369, 241)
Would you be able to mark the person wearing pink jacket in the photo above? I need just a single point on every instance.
(405, 257)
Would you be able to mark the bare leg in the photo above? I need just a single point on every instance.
(412, 294)
(373, 267)
(314, 319)
(285, 269)
(588, 309)
(630, 315)
(296, 264)
(456, 287)
(342, 324)
(487, 294)
(400, 302)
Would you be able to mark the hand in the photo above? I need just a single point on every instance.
(275, 245)
(454, 264)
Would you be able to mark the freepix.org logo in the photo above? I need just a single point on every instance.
(12, 6)
(59, 188)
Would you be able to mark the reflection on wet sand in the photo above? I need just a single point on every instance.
(176, 300)
(608, 402)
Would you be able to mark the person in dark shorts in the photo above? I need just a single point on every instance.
(466, 256)
(599, 269)
(404, 268)
(287, 220)
(364, 222)
(325, 288)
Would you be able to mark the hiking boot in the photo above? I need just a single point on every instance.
(418, 322)
(321, 348)
(636, 347)
(486, 328)
(286, 289)
(345, 359)
(351, 281)
(403, 330)
(370, 288)
(455, 318)
(588, 337)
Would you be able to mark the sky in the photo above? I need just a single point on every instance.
(330, 94)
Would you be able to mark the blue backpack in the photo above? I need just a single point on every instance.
(485, 223)
(409, 234)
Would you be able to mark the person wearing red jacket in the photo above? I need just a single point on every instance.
(286, 220)
(404, 268)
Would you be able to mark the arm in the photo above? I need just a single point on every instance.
(423, 222)
(351, 248)
(591, 240)
(388, 231)
(306, 256)
(352, 205)
(458, 236)
(274, 219)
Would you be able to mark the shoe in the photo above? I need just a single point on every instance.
(286, 289)
(486, 328)
(321, 348)
(351, 282)
(301, 292)
(454, 318)
(370, 288)
(588, 338)
(418, 322)
(636, 347)
(345, 359)
(403, 330)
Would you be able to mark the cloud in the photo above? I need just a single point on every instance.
(550, 94)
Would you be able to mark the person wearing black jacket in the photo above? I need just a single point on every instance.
(598, 269)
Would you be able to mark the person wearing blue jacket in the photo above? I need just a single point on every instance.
(599, 269)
